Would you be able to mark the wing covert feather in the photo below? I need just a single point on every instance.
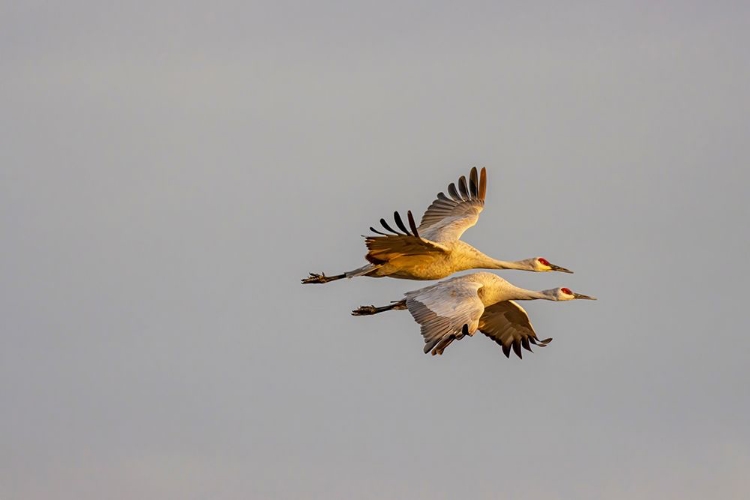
(444, 309)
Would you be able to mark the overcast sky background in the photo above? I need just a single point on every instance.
(170, 170)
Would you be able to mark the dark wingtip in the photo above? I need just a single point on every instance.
(462, 187)
(453, 192)
(412, 224)
(399, 222)
(474, 183)
(525, 344)
(517, 349)
(387, 227)
(376, 232)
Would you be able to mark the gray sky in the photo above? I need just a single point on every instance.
(170, 170)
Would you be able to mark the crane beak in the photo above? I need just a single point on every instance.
(582, 296)
(560, 269)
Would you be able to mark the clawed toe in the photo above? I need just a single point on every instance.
(316, 278)
(364, 311)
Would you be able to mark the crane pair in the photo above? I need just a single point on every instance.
(454, 308)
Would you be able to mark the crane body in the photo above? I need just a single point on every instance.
(460, 306)
(435, 265)
(434, 249)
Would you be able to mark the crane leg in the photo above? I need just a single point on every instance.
(370, 310)
(322, 278)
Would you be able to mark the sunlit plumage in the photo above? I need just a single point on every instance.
(456, 307)
(434, 249)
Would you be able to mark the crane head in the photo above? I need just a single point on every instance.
(543, 265)
(568, 294)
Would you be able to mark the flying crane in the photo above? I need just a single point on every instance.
(434, 250)
(463, 305)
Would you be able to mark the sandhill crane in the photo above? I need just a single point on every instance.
(456, 307)
(433, 250)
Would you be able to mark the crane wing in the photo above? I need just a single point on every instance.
(446, 311)
(448, 217)
(508, 324)
(386, 247)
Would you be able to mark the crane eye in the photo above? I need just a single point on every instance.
(543, 261)
(566, 291)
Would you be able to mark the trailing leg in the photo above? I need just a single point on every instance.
(322, 278)
(370, 310)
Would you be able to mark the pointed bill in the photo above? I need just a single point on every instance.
(582, 296)
(560, 269)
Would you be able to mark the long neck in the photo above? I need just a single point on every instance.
(523, 294)
(497, 289)
(477, 260)
(521, 265)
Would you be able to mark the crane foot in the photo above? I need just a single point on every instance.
(319, 278)
(365, 311)
(369, 310)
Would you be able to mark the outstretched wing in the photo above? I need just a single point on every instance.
(446, 311)
(448, 217)
(508, 324)
(387, 247)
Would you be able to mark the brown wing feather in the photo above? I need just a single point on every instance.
(386, 247)
(462, 187)
(508, 324)
(473, 183)
(482, 184)
(383, 249)
(452, 191)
